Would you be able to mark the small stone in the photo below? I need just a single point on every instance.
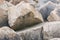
(23, 15)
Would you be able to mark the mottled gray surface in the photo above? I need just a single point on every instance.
(4, 13)
(51, 30)
(23, 15)
(33, 33)
(54, 15)
(55, 39)
(8, 34)
(46, 9)
(3, 17)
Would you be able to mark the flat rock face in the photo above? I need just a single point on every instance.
(46, 9)
(34, 33)
(55, 39)
(23, 15)
(3, 17)
(51, 30)
(54, 15)
(8, 34)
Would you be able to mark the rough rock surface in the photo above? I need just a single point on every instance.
(33, 33)
(51, 30)
(55, 39)
(36, 3)
(8, 34)
(4, 5)
(46, 9)
(15, 2)
(8, 0)
(54, 15)
(3, 17)
(54, 1)
(25, 16)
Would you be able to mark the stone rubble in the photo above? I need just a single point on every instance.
(29, 19)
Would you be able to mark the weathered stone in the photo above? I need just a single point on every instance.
(36, 3)
(8, 0)
(4, 12)
(46, 9)
(3, 17)
(51, 30)
(4, 4)
(15, 2)
(54, 15)
(8, 34)
(55, 39)
(23, 15)
(34, 33)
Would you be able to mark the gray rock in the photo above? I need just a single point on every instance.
(54, 1)
(54, 15)
(36, 3)
(8, 0)
(55, 39)
(23, 15)
(4, 12)
(33, 33)
(3, 17)
(5, 5)
(15, 2)
(8, 34)
(47, 8)
(51, 30)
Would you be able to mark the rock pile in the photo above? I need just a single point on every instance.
(29, 19)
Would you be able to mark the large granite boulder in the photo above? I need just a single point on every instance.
(8, 34)
(33, 33)
(47, 8)
(54, 15)
(23, 15)
(51, 30)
